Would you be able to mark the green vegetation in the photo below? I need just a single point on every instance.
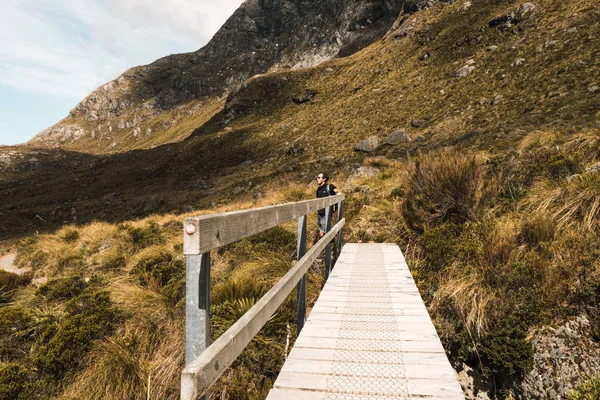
(589, 390)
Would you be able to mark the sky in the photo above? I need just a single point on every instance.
(53, 53)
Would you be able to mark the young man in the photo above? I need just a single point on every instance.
(323, 190)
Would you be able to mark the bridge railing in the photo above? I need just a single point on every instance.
(204, 363)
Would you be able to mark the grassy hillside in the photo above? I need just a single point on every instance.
(494, 201)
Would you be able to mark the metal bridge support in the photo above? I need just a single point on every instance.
(197, 307)
(301, 287)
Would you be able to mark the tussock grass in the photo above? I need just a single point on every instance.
(537, 229)
(443, 187)
(473, 298)
(538, 138)
(575, 203)
(116, 371)
(586, 144)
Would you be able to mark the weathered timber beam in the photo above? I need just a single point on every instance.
(206, 369)
(212, 231)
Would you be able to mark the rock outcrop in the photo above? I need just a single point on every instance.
(564, 356)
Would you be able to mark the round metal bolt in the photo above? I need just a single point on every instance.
(190, 229)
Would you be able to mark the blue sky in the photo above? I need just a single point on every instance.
(53, 53)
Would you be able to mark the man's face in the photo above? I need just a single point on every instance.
(320, 179)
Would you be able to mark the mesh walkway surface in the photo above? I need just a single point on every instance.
(369, 337)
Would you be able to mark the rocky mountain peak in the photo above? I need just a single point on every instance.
(261, 36)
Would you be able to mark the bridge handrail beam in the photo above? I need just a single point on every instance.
(216, 230)
(208, 367)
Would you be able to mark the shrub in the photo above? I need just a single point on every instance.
(15, 334)
(62, 346)
(439, 245)
(549, 161)
(157, 267)
(588, 390)
(444, 187)
(114, 261)
(277, 239)
(14, 379)
(174, 291)
(70, 235)
(504, 352)
(62, 288)
(143, 237)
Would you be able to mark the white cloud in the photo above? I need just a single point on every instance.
(69, 47)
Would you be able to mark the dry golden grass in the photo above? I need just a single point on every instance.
(142, 359)
(538, 138)
(575, 203)
(466, 289)
(586, 144)
(500, 243)
(97, 235)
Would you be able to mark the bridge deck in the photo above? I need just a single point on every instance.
(369, 336)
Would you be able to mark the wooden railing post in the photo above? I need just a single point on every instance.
(328, 247)
(301, 287)
(339, 238)
(197, 309)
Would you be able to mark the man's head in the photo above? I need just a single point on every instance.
(322, 177)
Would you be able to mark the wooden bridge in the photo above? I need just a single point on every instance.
(368, 336)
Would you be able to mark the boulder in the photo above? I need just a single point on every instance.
(412, 6)
(396, 137)
(151, 204)
(304, 96)
(368, 145)
(505, 22)
(464, 71)
(418, 123)
(364, 171)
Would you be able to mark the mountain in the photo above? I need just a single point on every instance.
(154, 104)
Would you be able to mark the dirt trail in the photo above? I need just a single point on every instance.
(7, 264)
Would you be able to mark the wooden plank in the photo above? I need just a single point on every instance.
(368, 335)
(299, 394)
(383, 332)
(216, 230)
(206, 368)
(410, 371)
(328, 319)
(387, 386)
(413, 346)
(430, 359)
